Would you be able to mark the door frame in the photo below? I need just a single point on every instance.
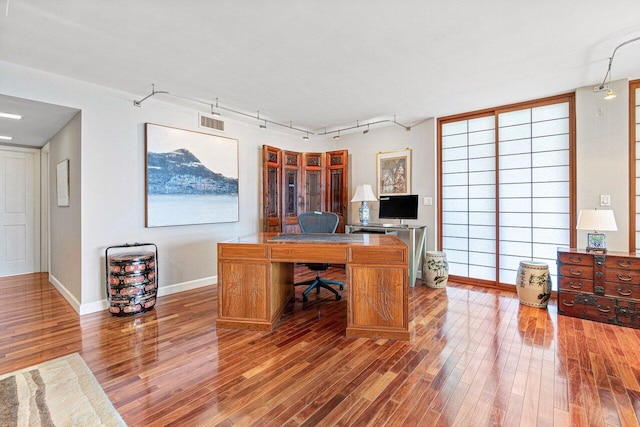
(45, 208)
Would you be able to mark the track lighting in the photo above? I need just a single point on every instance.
(610, 93)
(263, 122)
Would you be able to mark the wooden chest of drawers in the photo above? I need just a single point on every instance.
(599, 287)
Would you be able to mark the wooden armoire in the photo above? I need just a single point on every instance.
(302, 182)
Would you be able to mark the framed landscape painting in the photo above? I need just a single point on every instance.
(191, 177)
(393, 170)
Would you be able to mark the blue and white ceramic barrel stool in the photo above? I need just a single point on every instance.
(533, 284)
(435, 269)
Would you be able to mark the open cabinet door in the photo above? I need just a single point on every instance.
(337, 194)
(272, 171)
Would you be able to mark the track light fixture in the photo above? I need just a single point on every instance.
(215, 113)
(306, 137)
(603, 86)
(337, 136)
(263, 125)
(366, 131)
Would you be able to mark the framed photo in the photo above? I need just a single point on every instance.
(62, 182)
(191, 177)
(394, 172)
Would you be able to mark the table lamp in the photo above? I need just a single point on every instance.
(596, 220)
(364, 194)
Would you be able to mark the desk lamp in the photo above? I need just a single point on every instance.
(596, 220)
(364, 194)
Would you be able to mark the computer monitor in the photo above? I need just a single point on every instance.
(399, 207)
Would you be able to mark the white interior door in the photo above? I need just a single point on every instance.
(17, 211)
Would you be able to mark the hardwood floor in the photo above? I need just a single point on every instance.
(476, 358)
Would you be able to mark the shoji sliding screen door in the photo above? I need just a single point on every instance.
(506, 180)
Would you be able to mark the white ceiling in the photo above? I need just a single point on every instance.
(326, 63)
(40, 121)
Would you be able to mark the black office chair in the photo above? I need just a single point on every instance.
(318, 222)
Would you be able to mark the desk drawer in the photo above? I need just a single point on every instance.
(585, 306)
(575, 258)
(576, 284)
(629, 277)
(373, 255)
(576, 271)
(622, 263)
(624, 290)
(293, 253)
(234, 251)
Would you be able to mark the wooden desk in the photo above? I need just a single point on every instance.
(255, 281)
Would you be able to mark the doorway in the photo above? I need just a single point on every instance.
(19, 209)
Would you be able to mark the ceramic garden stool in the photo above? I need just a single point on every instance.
(435, 269)
(533, 284)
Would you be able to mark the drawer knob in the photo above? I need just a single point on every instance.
(603, 310)
(626, 278)
(575, 259)
(575, 272)
(624, 263)
(624, 293)
(564, 301)
(578, 286)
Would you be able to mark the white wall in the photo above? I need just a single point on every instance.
(362, 155)
(602, 158)
(65, 221)
(112, 181)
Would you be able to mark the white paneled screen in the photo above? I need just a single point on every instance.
(636, 114)
(505, 186)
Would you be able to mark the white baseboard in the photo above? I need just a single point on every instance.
(95, 306)
(187, 286)
(75, 304)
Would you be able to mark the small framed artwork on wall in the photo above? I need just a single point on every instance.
(62, 182)
(393, 170)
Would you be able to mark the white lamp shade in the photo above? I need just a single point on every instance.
(596, 220)
(364, 193)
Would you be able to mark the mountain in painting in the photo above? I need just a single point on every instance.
(180, 172)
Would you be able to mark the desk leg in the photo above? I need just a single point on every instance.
(422, 249)
(413, 265)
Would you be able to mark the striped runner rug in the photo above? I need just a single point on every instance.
(59, 392)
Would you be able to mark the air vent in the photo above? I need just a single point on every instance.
(208, 122)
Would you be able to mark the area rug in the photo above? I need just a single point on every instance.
(59, 392)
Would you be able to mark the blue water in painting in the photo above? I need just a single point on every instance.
(183, 209)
